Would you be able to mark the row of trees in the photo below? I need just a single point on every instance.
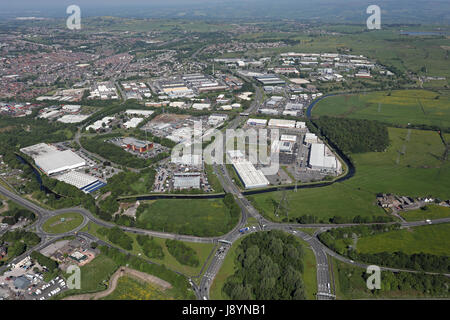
(269, 266)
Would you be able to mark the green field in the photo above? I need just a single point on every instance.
(56, 225)
(411, 166)
(432, 212)
(202, 250)
(430, 239)
(129, 288)
(397, 107)
(200, 217)
(94, 276)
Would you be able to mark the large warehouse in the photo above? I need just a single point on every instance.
(82, 181)
(249, 175)
(59, 161)
(318, 160)
(51, 160)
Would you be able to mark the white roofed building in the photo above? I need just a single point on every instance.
(59, 161)
(282, 123)
(319, 160)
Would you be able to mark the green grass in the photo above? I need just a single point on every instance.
(202, 250)
(433, 212)
(129, 288)
(55, 225)
(94, 276)
(201, 217)
(226, 270)
(400, 107)
(418, 172)
(430, 239)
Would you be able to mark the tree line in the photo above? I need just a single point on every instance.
(354, 135)
(269, 266)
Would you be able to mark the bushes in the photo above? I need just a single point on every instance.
(269, 266)
(118, 237)
(150, 247)
(182, 253)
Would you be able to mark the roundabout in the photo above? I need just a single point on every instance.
(62, 223)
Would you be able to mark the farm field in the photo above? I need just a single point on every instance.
(411, 166)
(427, 239)
(202, 250)
(56, 225)
(200, 217)
(129, 288)
(432, 212)
(397, 107)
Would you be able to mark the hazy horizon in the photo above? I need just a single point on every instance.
(403, 11)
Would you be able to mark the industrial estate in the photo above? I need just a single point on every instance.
(183, 159)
